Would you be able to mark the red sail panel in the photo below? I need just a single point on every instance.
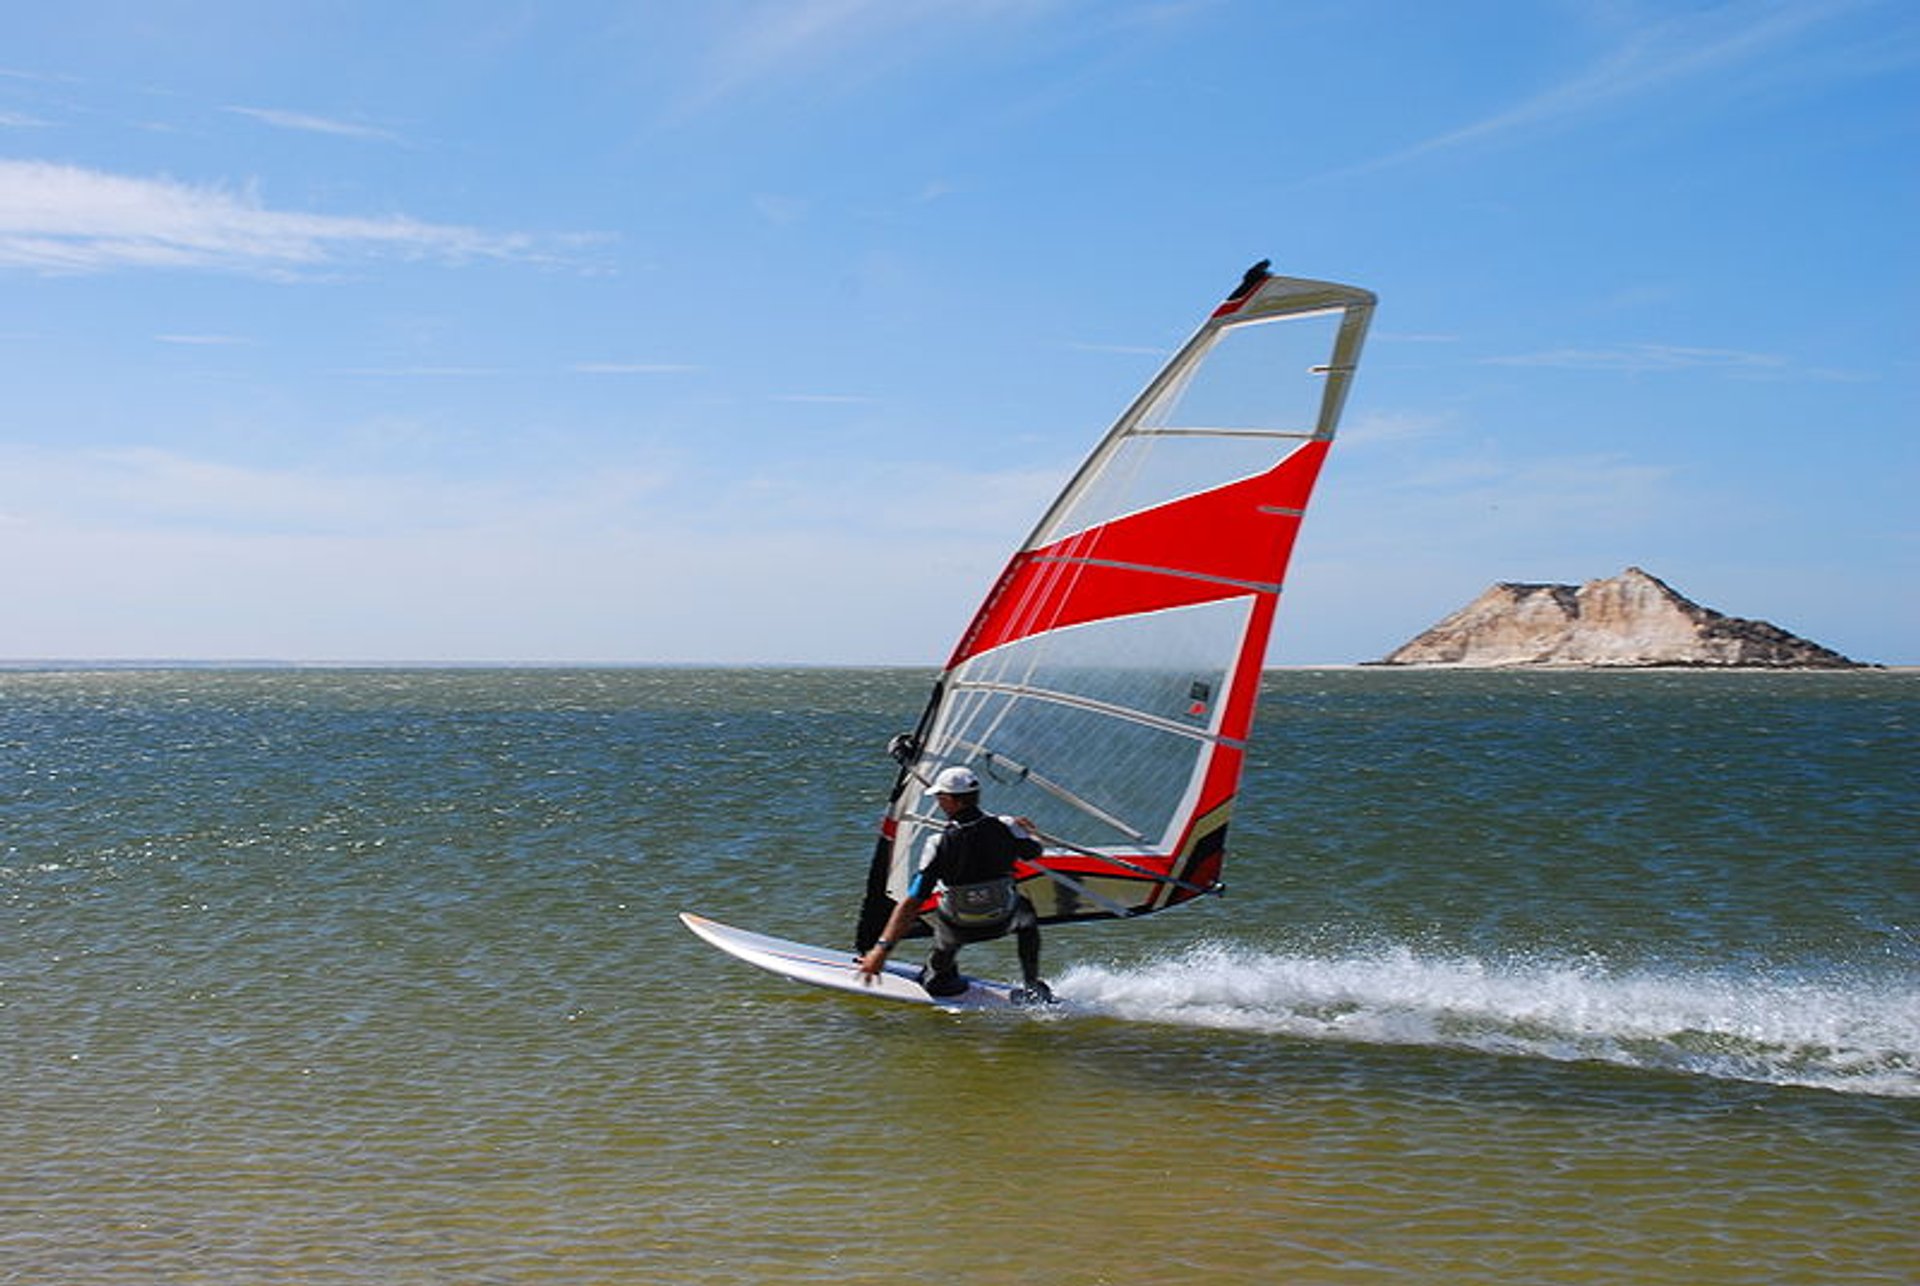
(1230, 541)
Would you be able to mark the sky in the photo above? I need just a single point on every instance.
(761, 331)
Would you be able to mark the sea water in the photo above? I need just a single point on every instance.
(375, 977)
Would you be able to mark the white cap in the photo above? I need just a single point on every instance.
(955, 781)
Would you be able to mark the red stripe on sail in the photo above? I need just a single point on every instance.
(1216, 544)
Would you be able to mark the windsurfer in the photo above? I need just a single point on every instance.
(972, 865)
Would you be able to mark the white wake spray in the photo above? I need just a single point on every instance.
(1854, 1034)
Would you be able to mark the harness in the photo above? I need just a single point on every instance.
(979, 906)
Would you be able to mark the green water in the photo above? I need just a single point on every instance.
(375, 977)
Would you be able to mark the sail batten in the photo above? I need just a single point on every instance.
(1101, 707)
(1106, 686)
(1260, 587)
(1294, 435)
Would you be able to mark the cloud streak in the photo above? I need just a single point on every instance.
(634, 368)
(202, 341)
(1639, 358)
(68, 219)
(307, 123)
(1653, 57)
(796, 42)
(781, 38)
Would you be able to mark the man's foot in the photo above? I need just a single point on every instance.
(1035, 992)
(942, 984)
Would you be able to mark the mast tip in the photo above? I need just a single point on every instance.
(1251, 280)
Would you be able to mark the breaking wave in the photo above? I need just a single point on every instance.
(1853, 1034)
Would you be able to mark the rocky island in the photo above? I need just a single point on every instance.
(1628, 620)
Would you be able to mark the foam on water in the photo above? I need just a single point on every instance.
(1846, 1032)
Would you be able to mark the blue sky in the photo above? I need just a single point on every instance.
(761, 331)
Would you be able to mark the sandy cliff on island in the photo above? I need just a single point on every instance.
(1632, 619)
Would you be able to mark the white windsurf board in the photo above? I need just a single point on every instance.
(825, 967)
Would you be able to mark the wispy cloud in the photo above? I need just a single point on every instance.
(1124, 350)
(633, 368)
(35, 77)
(68, 219)
(780, 210)
(772, 42)
(144, 489)
(149, 491)
(1386, 426)
(1652, 57)
(496, 372)
(1412, 337)
(781, 36)
(206, 341)
(1644, 357)
(308, 123)
(427, 372)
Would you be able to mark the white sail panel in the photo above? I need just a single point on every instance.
(1233, 406)
(1100, 732)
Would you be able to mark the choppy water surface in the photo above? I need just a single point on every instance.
(374, 976)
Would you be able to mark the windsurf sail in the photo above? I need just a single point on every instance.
(1106, 687)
